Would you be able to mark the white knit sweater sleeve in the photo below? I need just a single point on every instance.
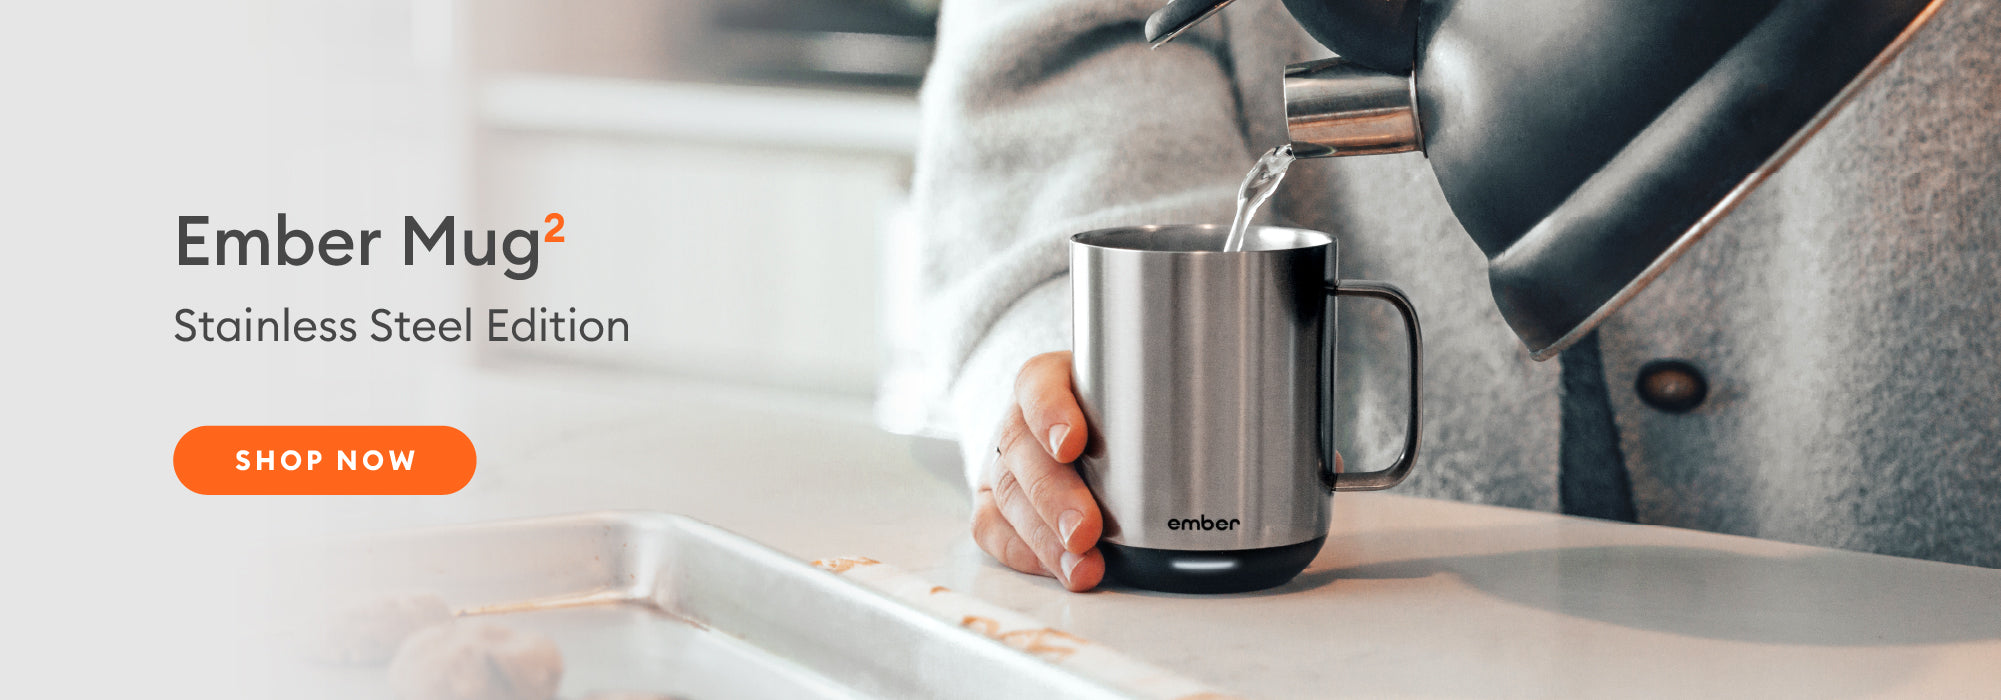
(1046, 118)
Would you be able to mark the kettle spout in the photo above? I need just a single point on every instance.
(1177, 17)
(1337, 107)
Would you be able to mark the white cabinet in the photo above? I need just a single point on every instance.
(736, 228)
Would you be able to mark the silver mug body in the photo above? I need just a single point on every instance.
(1204, 376)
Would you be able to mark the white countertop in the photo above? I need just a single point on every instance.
(1410, 597)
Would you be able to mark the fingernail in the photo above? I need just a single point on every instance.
(1069, 561)
(1056, 435)
(1067, 525)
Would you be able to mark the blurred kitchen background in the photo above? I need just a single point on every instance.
(732, 168)
(730, 171)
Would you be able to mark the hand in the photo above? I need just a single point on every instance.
(1032, 511)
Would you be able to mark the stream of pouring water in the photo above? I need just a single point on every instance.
(1258, 186)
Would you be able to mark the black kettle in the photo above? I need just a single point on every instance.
(1583, 144)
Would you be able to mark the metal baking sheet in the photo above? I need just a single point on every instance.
(665, 604)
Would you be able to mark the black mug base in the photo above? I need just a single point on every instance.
(1217, 571)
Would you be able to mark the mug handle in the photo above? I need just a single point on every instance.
(1378, 480)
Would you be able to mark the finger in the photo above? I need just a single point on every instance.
(998, 539)
(1087, 570)
(1041, 540)
(1052, 491)
(1049, 405)
(1020, 515)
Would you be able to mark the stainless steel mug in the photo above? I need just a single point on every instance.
(1206, 379)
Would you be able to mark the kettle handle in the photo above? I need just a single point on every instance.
(1378, 480)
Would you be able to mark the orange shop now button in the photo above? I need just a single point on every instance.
(349, 460)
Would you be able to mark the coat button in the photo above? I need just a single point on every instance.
(1674, 386)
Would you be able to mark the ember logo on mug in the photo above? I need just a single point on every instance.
(1202, 522)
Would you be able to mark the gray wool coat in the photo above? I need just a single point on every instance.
(1847, 315)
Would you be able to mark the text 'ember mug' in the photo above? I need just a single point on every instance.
(1206, 378)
